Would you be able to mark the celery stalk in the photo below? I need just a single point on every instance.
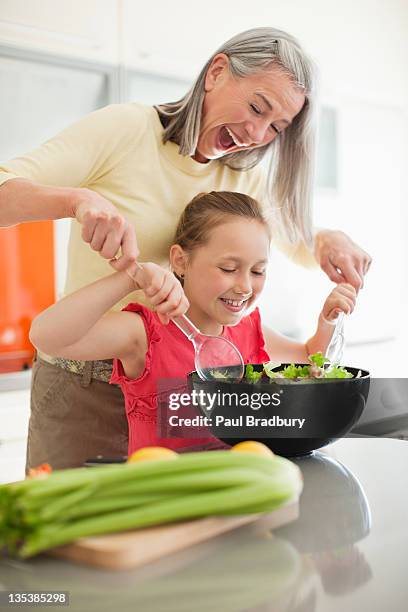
(192, 506)
(39, 514)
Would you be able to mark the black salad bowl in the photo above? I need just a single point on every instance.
(292, 418)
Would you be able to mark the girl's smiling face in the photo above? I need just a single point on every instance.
(243, 113)
(224, 277)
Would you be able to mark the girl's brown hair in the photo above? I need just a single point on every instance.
(208, 210)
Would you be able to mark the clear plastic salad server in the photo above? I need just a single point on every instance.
(215, 357)
(335, 349)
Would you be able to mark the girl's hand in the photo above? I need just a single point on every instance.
(341, 299)
(162, 289)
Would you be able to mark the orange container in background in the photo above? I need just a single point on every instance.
(27, 286)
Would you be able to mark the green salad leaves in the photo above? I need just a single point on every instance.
(319, 368)
(251, 375)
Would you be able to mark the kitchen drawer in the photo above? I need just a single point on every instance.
(13, 470)
(12, 461)
(14, 382)
(14, 415)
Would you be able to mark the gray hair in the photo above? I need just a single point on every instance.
(289, 184)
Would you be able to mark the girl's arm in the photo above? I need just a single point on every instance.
(80, 327)
(281, 348)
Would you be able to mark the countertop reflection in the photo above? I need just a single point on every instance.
(346, 551)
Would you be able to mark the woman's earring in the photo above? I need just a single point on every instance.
(181, 276)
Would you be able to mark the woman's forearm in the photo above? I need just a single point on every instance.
(22, 200)
(70, 319)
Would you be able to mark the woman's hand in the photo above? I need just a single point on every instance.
(162, 289)
(341, 299)
(341, 258)
(105, 229)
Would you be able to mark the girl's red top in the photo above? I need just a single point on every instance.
(170, 355)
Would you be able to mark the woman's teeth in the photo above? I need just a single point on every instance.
(228, 140)
(235, 139)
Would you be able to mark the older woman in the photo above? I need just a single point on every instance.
(130, 167)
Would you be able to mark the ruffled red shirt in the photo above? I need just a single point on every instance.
(170, 355)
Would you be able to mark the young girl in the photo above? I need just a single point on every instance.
(219, 257)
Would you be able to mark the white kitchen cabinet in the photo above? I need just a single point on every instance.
(12, 461)
(159, 41)
(153, 89)
(79, 28)
(14, 415)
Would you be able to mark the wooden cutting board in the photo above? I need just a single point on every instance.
(135, 548)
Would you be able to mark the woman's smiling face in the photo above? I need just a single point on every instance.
(243, 113)
(224, 277)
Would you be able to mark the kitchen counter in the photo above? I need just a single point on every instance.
(347, 551)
